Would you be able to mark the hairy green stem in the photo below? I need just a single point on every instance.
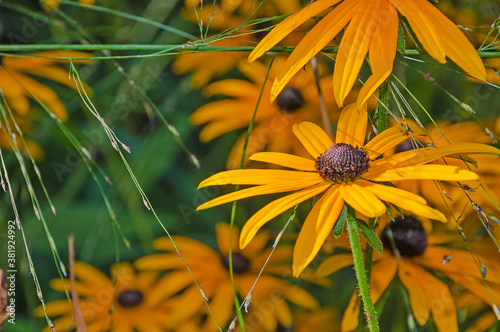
(363, 283)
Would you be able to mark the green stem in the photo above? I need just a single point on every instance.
(382, 106)
(357, 254)
(180, 47)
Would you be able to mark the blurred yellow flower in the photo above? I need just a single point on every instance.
(273, 123)
(373, 28)
(211, 269)
(348, 171)
(52, 4)
(239, 22)
(126, 302)
(19, 87)
(419, 260)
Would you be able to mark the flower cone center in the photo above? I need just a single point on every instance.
(290, 99)
(408, 236)
(408, 145)
(261, 29)
(342, 162)
(130, 298)
(240, 263)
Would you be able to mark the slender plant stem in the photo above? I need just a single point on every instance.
(382, 106)
(357, 254)
(322, 106)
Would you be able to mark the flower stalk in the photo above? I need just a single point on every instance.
(363, 283)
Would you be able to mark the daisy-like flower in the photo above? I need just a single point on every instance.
(126, 302)
(19, 87)
(418, 259)
(235, 21)
(347, 171)
(211, 269)
(272, 131)
(373, 29)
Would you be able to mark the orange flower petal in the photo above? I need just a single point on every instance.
(404, 199)
(261, 190)
(275, 208)
(353, 48)
(255, 177)
(318, 225)
(286, 160)
(314, 41)
(385, 141)
(332, 264)
(382, 52)
(288, 25)
(423, 172)
(362, 200)
(351, 128)
(313, 138)
(410, 275)
(422, 23)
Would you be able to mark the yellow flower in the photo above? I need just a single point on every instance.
(348, 171)
(421, 256)
(373, 28)
(18, 87)
(236, 22)
(273, 123)
(126, 302)
(211, 269)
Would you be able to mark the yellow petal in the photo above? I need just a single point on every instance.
(286, 160)
(261, 190)
(332, 264)
(423, 172)
(232, 88)
(224, 234)
(455, 44)
(382, 53)
(351, 128)
(275, 208)
(288, 25)
(416, 12)
(318, 225)
(405, 200)
(425, 155)
(313, 138)
(385, 141)
(255, 177)
(353, 48)
(313, 42)
(362, 200)
(410, 275)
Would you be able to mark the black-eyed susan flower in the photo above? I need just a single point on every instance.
(347, 171)
(420, 261)
(125, 302)
(19, 87)
(273, 123)
(372, 29)
(268, 306)
(240, 23)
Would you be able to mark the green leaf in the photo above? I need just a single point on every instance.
(370, 235)
(339, 225)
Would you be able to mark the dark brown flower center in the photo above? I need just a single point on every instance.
(342, 162)
(240, 263)
(289, 99)
(263, 29)
(408, 236)
(130, 298)
(408, 145)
